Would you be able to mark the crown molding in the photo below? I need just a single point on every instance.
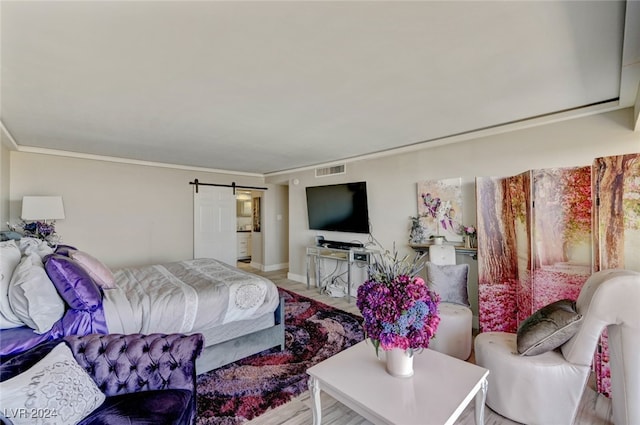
(7, 138)
(428, 144)
(567, 115)
(68, 154)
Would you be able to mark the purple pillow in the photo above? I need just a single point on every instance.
(64, 250)
(73, 283)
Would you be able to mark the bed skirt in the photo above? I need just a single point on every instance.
(235, 341)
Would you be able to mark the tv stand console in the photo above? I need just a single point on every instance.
(351, 256)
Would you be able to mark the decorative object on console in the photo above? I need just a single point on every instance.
(45, 208)
(399, 310)
(440, 208)
(470, 236)
(417, 233)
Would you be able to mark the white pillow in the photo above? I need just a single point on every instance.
(30, 245)
(57, 386)
(33, 297)
(96, 269)
(9, 260)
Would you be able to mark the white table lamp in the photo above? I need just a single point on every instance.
(35, 208)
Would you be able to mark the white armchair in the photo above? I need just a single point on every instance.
(547, 388)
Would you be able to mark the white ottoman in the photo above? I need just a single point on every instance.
(454, 335)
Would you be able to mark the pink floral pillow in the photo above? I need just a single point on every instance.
(96, 269)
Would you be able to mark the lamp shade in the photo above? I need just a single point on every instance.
(42, 208)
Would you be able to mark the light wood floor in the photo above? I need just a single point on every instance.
(594, 409)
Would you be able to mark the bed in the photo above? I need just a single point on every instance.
(238, 313)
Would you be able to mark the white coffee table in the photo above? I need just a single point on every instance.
(437, 393)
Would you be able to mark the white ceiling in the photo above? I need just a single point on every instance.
(266, 86)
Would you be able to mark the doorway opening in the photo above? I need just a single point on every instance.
(244, 225)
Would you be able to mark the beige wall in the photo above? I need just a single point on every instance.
(129, 214)
(276, 226)
(124, 214)
(270, 246)
(391, 181)
(5, 167)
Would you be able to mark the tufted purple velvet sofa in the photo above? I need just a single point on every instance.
(148, 379)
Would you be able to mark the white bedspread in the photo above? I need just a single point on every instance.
(186, 296)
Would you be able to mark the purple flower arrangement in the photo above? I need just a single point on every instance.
(40, 230)
(398, 308)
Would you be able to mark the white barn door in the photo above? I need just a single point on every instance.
(214, 224)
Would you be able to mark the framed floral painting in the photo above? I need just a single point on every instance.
(440, 208)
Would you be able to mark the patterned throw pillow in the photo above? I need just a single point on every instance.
(449, 281)
(548, 328)
(56, 390)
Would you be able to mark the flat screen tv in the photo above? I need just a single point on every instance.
(338, 207)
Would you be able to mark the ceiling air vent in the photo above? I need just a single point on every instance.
(330, 171)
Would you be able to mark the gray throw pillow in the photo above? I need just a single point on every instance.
(548, 328)
(449, 281)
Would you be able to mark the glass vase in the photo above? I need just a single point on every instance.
(399, 362)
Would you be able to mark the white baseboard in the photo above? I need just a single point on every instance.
(298, 278)
(275, 267)
(270, 268)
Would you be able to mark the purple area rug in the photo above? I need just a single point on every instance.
(240, 391)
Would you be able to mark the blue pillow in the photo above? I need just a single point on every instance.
(8, 235)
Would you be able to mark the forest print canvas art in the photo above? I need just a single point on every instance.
(497, 255)
(561, 234)
(542, 233)
(616, 186)
(534, 233)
